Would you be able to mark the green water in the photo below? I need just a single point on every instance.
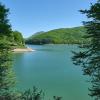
(50, 68)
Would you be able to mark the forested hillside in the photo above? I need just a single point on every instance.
(59, 36)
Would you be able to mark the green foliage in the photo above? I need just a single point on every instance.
(89, 57)
(6, 73)
(33, 94)
(6, 34)
(5, 28)
(15, 39)
(7, 79)
(18, 39)
(59, 36)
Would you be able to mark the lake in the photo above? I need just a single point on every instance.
(50, 68)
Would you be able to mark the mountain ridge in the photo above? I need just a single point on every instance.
(59, 36)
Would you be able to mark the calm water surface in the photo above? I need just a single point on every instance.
(50, 68)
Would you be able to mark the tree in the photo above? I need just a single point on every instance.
(18, 38)
(6, 75)
(33, 94)
(5, 27)
(89, 57)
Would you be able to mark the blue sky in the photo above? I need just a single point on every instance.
(30, 16)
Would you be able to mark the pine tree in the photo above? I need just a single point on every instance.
(89, 57)
(6, 74)
(5, 27)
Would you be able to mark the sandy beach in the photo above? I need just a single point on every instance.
(23, 50)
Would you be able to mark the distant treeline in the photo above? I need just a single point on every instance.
(59, 36)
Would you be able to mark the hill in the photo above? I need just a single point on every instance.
(59, 36)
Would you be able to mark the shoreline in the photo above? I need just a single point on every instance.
(23, 49)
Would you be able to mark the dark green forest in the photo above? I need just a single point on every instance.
(59, 36)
